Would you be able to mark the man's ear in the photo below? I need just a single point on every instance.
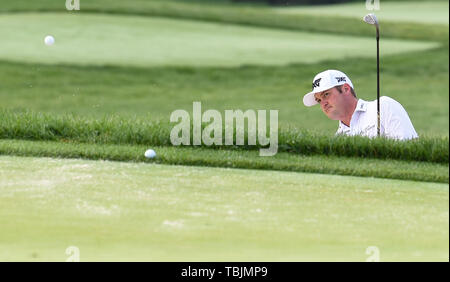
(346, 87)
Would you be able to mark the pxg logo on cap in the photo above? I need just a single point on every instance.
(340, 79)
(316, 83)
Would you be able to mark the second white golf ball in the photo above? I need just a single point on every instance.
(49, 40)
(150, 154)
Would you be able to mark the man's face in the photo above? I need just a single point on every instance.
(332, 103)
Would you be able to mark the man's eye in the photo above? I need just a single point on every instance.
(318, 101)
(326, 94)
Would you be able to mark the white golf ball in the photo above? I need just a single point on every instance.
(49, 40)
(150, 154)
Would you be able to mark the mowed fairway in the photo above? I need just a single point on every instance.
(140, 41)
(429, 12)
(126, 211)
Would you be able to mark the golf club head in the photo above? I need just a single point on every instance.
(371, 19)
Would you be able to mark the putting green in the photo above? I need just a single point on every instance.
(127, 211)
(432, 12)
(139, 41)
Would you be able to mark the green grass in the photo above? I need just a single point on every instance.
(191, 203)
(175, 213)
(116, 130)
(419, 81)
(137, 41)
(194, 156)
(253, 15)
(159, 91)
(414, 11)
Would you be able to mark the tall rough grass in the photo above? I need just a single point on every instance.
(393, 169)
(29, 125)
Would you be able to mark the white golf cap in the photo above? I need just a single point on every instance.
(324, 81)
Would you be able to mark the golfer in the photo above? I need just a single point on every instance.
(335, 94)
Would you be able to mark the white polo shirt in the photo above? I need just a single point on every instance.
(394, 120)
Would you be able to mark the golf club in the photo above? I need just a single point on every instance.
(372, 19)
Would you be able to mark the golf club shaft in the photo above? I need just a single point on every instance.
(378, 84)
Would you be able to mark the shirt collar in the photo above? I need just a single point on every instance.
(361, 106)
